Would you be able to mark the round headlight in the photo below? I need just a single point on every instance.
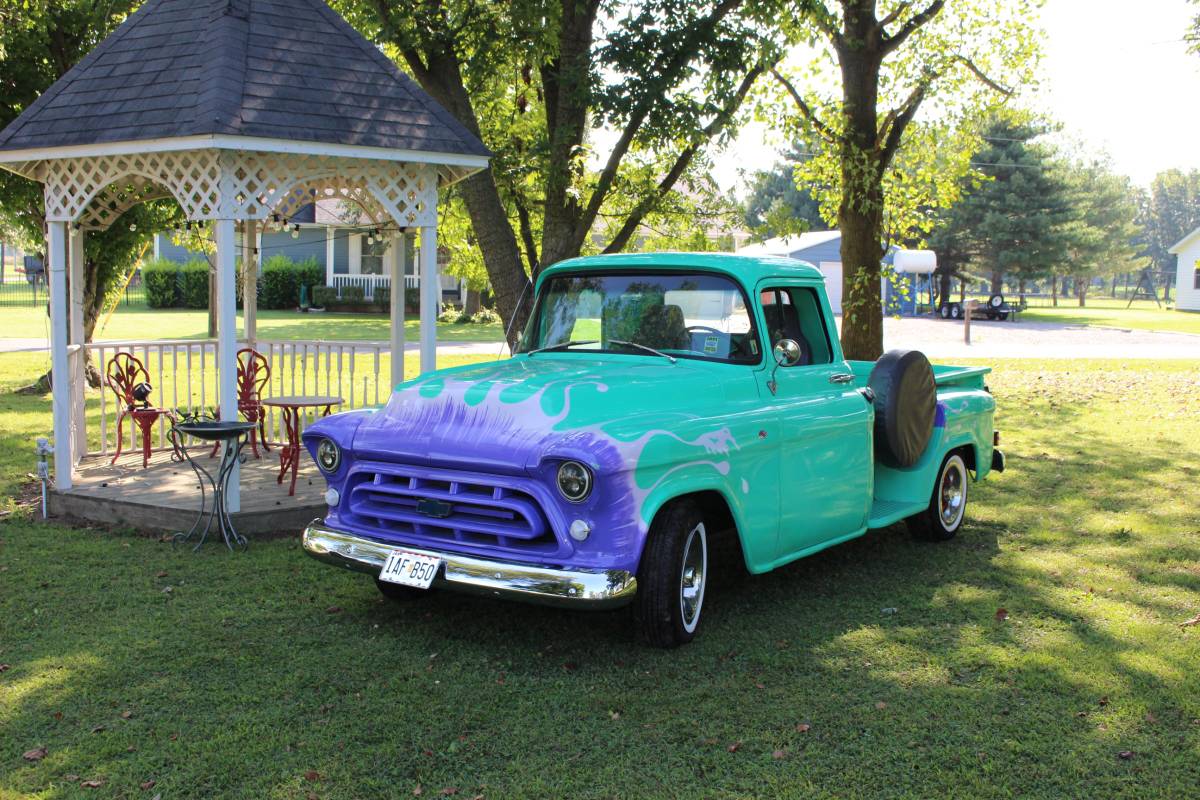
(328, 455)
(574, 481)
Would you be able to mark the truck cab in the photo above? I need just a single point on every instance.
(654, 401)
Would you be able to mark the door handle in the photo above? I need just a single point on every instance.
(841, 377)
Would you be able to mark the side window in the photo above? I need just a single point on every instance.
(795, 313)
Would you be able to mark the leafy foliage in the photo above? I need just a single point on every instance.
(779, 204)
(877, 173)
(1169, 211)
(159, 276)
(282, 278)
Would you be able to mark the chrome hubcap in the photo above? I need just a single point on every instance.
(952, 493)
(691, 579)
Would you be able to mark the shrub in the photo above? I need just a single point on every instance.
(412, 299)
(449, 314)
(383, 297)
(485, 316)
(352, 294)
(193, 284)
(161, 279)
(282, 279)
(324, 296)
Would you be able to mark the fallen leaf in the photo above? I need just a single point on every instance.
(5, 667)
(71, 778)
(778, 754)
(312, 775)
(614, 715)
(889, 610)
(1125, 754)
(1081, 713)
(1151, 718)
(174, 736)
(733, 748)
(1187, 623)
(418, 791)
(57, 715)
(147, 784)
(880, 706)
(758, 685)
(333, 610)
(1104, 700)
(1001, 614)
(126, 714)
(449, 790)
(570, 666)
(36, 754)
(98, 728)
(803, 727)
(95, 783)
(162, 573)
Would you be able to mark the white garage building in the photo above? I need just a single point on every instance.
(1187, 272)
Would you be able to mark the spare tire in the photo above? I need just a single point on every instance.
(905, 406)
(996, 300)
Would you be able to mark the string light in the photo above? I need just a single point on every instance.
(296, 231)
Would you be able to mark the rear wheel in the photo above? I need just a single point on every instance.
(956, 311)
(399, 593)
(943, 517)
(672, 577)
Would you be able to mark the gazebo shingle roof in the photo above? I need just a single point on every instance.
(277, 69)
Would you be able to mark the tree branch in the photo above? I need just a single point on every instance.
(666, 73)
(683, 160)
(978, 73)
(896, 12)
(900, 118)
(807, 112)
(890, 43)
(531, 253)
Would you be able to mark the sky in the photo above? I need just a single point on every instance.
(1116, 74)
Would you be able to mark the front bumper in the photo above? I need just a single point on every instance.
(595, 588)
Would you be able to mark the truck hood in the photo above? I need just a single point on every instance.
(509, 416)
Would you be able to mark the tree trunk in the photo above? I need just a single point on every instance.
(1081, 287)
(1021, 289)
(470, 301)
(862, 312)
(1054, 291)
(997, 282)
(944, 287)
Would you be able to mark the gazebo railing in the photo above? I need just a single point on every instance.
(183, 373)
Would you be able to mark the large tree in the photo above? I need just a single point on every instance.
(39, 42)
(537, 80)
(894, 57)
(1103, 235)
(1170, 210)
(1014, 222)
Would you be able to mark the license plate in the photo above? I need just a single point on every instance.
(410, 569)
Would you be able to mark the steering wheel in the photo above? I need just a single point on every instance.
(703, 329)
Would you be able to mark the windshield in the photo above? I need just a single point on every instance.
(681, 314)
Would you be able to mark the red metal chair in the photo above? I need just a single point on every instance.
(253, 375)
(128, 379)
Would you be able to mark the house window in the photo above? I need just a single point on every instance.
(372, 257)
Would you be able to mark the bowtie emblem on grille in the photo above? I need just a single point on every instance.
(433, 508)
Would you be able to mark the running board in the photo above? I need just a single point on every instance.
(889, 512)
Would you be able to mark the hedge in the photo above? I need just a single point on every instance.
(160, 277)
(282, 279)
(193, 284)
(324, 296)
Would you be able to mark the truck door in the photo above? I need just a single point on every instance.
(826, 448)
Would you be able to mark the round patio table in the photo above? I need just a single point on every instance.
(292, 407)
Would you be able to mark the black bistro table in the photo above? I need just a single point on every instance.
(231, 436)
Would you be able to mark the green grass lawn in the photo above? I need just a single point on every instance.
(142, 323)
(1113, 314)
(266, 674)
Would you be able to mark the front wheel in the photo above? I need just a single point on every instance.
(672, 577)
(943, 517)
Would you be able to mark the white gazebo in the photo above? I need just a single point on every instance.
(242, 111)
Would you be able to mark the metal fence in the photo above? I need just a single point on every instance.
(32, 291)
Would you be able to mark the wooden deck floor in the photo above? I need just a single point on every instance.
(165, 495)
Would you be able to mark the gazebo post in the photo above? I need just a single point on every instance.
(78, 357)
(227, 341)
(249, 283)
(395, 258)
(60, 369)
(431, 296)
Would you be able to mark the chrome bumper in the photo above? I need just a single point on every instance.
(545, 585)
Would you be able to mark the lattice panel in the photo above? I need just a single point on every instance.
(227, 184)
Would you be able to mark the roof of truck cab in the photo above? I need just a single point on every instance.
(748, 269)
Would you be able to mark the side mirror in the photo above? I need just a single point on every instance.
(787, 354)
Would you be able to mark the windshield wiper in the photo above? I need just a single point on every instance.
(645, 347)
(562, 346)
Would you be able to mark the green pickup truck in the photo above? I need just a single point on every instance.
(655, 403)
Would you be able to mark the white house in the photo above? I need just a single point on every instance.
(1187, 272)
